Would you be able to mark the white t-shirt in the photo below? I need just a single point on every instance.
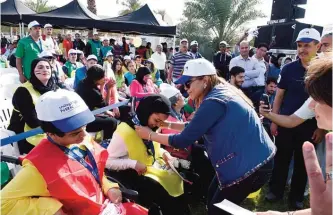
(159, 60)
(50, 44)
(304, 112)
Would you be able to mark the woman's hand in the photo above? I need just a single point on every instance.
(164, 124)
(116, 112)
(143, 131)
(264, 109)
(140, 168)
(110, 84)
(318, 135)
(321, 192)
(115, 196)
(109, 113)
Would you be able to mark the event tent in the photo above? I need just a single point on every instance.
(12, 11)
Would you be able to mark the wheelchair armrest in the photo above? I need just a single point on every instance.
(129, 194)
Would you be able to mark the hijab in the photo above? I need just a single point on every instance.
(36, 83)
(140, 74)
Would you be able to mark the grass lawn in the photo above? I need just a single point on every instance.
(256, 204)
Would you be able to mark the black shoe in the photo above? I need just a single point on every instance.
(295, 205)
(271, 197)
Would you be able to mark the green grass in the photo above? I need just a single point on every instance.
(256, 204)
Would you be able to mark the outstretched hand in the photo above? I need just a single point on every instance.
(143, 131)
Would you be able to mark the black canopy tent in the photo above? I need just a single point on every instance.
(72, 15)
(12, 11)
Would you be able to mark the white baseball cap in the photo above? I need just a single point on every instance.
(109, 53)
(183, 40)
(194, 43)
(33, 24)
(48, 25)
(95, 32)
(224, 42)
(64, 109)
(92, 57)
(196, 68)
(73, 51)
(168, 91)
(126, 57)
(307, 35)
(150, 61)
(47, 53)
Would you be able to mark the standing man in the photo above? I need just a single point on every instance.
(67, 45)
(94, 46)
(105, 48)
(252, 70)
(125, 46)
(194, 50)
(159, 59)
(78, 43)
(259, 56)
(81, 73)
(178, 61)
(237, 76)
(50, 43)
(326, 43)
(289, 97)
(28, 49)
(222, 60)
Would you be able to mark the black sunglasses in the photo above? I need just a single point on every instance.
(188, 84)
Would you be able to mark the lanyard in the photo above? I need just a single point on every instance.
(40, 47)
(178, 116)
(92, 168)
(148, 144)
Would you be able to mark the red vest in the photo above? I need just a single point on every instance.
(69, 181)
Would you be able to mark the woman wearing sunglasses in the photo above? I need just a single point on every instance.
(237, 144)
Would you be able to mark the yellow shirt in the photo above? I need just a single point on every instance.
(27, 193)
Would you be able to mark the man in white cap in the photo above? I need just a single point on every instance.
(159, 58)
(64, 174)
(194, 46)
(81, 73)
(289, 97)
(72, 64)
(105, 48)
(222, 60)
(28, 49)
(94, 46)
(50, 43)
(178, 61)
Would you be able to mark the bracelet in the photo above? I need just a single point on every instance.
(149, 136)
(169, 126)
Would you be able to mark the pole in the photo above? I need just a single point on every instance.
(20, 30)
(11, 33)
(174, 44)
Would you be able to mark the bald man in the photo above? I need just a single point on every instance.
(326, 43)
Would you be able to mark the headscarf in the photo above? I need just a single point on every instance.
(152, 104)
(140, 74)
(37, 85)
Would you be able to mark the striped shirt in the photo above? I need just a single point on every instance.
(178, 62)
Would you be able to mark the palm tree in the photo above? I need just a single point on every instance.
(39, 6)
(130, 6)
(223, 18)
(92, 6)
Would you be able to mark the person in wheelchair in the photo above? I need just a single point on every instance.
(63, 174)
(143, 165)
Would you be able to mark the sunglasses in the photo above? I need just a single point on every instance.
(188, 84)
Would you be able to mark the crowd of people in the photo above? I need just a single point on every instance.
(209, 120)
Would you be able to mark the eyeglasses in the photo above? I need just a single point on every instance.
(188, 84)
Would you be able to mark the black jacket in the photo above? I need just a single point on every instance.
(221, 63)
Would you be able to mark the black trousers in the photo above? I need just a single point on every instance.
(238, 192)
(163, 75)
(103, 123)
(289, 143)
(151, 192)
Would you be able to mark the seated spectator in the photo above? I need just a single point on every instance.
(90, 91)
(138, 62)
(155, 73)
(107, 66)
(57, 177)
(142, 165)
(119, 75)
(126, 60)
(142, 85)
(24, 117)
(237, 76)
(130, 73)
(71, 64)
(81, 73)
(105, 48)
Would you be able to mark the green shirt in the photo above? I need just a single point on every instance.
(28, 50)
(96, 49)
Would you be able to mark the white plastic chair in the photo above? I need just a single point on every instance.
(6, 109)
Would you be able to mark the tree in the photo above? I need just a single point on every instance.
(39, 6)
(92, 6)
(130, 6)
(221, 19)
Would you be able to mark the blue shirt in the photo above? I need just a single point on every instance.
(80, 74)
(273, 72)
(178, 62)
(129, 78)
(292, 81)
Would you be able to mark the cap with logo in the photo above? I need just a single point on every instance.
(73, 51)
(47, 25)
(33, 24)
(47, 54)
(224, 43)
(92, 57)
(307, 35)
(64, 109)
(168, 91)
(183, 40)
(194, 43)
(196, 68)
(109, 53)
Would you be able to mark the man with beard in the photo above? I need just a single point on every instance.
(194, 50)
(222, 60)
(237, 76)
(78, 43)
